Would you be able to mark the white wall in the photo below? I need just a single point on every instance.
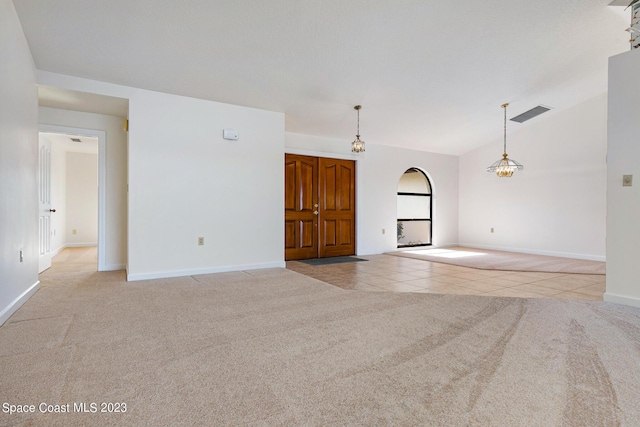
(186, 181)
(18, 165)
(623, 203)
(557, 205)
(116, 174)
(378, 172)
(82, 199)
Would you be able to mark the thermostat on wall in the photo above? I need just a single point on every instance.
(230, 134)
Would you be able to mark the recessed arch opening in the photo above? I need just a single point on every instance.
(415, 209)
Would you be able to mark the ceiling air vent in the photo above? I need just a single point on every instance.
(527, 115)
(75, 139)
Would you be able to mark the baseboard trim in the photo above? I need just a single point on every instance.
(113, 267)
(179, 273)
(6, 313)
(81, 245)
(537, 252)
(621, 299)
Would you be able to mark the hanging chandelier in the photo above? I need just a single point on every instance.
(505, 167)
(357, 146)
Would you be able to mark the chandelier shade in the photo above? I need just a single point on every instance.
(505, 167)
(357, 146)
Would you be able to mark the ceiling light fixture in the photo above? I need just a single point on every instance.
(357, 146)
(505, 167)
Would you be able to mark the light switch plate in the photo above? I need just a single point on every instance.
(627, 180)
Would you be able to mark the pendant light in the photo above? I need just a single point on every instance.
(505, 167)
(357, 146)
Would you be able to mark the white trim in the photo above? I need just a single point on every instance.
(102, 181)
(194, 272)
(537, 252)
(621, 299)
(17, 303)
(114, 267)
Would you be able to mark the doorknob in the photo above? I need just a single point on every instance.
(52, 210)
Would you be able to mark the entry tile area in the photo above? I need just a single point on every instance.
(386, 273)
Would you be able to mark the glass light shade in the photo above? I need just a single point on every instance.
(505, 167)
(357, 146)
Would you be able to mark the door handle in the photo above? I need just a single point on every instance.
(315, 212)
(52, 210)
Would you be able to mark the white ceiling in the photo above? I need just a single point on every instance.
(431, 75)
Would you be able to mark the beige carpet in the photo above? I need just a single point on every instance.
(273, 347)
(499, 260)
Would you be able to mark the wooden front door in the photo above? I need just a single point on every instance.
(300, 207)
(319, 207)
(337, 225)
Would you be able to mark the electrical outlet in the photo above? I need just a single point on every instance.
(627, 180)
(200, 241)
(74, 231)
(21, 255)
(383, 231)
(492, 229)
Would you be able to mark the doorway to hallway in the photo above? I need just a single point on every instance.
(69, 194)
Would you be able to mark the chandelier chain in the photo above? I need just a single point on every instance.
(504, 107)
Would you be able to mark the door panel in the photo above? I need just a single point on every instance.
(346, 235)
(301, 196)
(308, 234)
(44, 215)
(290, 184)
(329, 232)
(346, 188)
(337, 207)
(328, 189)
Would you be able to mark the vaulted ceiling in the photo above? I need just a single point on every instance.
(431, 75)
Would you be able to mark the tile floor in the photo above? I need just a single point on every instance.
(396, 274)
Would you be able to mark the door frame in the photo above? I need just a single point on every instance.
(341, 156)
(102, 180)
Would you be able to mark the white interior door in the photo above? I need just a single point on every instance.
(45, 209)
